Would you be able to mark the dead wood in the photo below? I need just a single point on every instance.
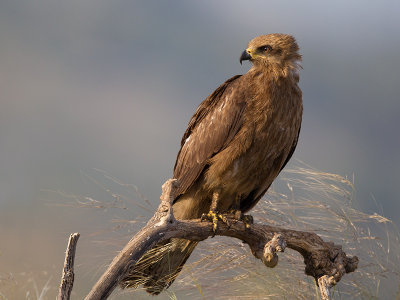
(325, 261)
(67, 278)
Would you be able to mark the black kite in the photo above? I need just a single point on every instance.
(236, 143)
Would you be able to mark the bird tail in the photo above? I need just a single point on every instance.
(159, 267)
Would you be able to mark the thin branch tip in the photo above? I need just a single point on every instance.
(67, 278)
(325, 283)
(270, 256)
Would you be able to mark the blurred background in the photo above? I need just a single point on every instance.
(107, 87)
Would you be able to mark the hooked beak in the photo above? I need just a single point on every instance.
(245, 56)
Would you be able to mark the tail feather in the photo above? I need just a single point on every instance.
(159, 267)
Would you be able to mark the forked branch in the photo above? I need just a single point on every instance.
(325, 261)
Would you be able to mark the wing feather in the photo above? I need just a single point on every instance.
(212, 127)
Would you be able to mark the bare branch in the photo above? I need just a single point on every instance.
(67, 279)
(325, 283)
(321, 258)
(270, 256)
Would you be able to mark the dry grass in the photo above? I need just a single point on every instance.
(25, 285)
(309, 200)
(223, 268)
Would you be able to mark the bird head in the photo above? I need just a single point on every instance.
(276, 51)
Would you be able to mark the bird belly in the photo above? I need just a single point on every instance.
(252, 170)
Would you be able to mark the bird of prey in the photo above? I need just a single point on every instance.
(235, 145)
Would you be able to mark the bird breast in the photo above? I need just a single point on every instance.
(257, 153)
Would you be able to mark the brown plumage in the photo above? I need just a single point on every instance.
(236, 143)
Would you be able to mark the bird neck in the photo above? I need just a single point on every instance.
(274, 82)
(276, 72)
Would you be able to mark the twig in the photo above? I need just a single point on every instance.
(270, 256)
(321, 258)
(67, 279)
(325, 283)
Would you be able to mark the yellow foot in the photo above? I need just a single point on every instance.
(213, 217)
(247, 220)
(239, 216)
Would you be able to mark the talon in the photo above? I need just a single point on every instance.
(214, 217)
(224, 219)
(239, 216)
(247, 220)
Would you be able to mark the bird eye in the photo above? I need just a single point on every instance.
(265, 48)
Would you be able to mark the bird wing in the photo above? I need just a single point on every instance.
(291, 150)
(212, 127)
(252, 199)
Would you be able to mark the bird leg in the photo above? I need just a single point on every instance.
(213, 215)
(239, 215)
